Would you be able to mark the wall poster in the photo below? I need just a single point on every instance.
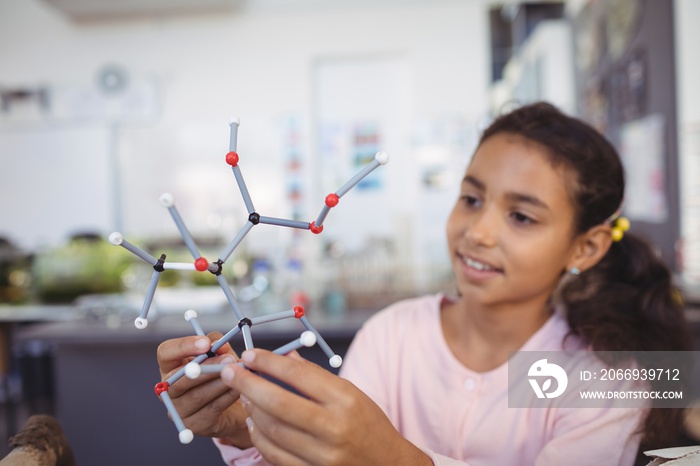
(642, 151)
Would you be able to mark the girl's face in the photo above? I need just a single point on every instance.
(510, 234)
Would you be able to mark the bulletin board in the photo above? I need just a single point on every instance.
(361, 106)
(626, 89)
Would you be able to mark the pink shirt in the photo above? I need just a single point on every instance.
(460, 417)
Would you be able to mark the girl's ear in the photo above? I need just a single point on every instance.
(591, 246)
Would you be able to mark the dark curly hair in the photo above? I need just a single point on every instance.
(626, 302)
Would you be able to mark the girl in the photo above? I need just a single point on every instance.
(425, 381)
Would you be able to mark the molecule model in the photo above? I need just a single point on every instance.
(243, 326)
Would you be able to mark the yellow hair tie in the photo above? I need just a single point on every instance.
(620, 226)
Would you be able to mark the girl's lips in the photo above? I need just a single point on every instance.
(477, 264)
(476, 271)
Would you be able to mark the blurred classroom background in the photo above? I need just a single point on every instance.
(105, 105)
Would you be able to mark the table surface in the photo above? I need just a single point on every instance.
(39, 313)
(65, 326)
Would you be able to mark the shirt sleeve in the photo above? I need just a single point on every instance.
(233, 456)
(588, 437)
(595, 436)
(601, 435)
(440, 460)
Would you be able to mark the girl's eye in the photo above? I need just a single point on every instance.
(470, 200)
(522, 218)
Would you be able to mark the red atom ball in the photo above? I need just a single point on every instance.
(161, 387)
(232, 159)
(314, 229)
(201, 264)
(298, 312)
(332, 200)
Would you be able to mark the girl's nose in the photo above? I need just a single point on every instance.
(482, 230)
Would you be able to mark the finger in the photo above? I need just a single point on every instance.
(203, 403)
(225, 348)
(210, 419)
(272, 398)
(201, 358)
(206, 399)
(281, 435)
(306, 377)
(269, 449)
(295, 355)
(207, 384)
(172, 353)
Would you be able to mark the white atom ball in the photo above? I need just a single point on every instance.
(186, 436)
(141, 323)
(193, 370)
(335, 361)
(382, 158)
(167, 200)
(116, 238)
(308, 338)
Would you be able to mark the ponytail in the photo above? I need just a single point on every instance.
(627, 302)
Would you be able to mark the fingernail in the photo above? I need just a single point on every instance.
(249, 422)
(248, 356)
(202, 344)
(227, 373)
(245, 401)
(228, 360)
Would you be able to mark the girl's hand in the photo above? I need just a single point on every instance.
(334, 423)
(206, 405)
